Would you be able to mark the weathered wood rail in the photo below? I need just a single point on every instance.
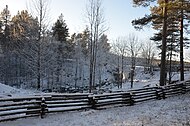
(15, 108)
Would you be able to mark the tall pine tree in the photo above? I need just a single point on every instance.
(61, 34)
(168, 13)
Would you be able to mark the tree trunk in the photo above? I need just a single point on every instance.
(170, 69)
(163, 53)
(91, 64)
(121, 76)
(76, 73)
(38, 72)
(133, 70)
(181, 49)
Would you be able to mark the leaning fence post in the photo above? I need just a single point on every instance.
(43, 108)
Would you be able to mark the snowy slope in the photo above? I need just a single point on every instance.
(8, 91)
(140, 80)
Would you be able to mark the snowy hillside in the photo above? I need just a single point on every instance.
(8, 91)
(141, 80)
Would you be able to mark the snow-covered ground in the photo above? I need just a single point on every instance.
(7, 91)
(141, 80)
(173, 111)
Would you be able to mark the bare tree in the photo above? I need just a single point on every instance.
(79, 57)
(39, 8)
(102, 58)
(133, 50)
(97, 27)
(148, 53)
(120, 48)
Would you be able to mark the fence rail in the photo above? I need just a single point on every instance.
(67, 102)
(15, 108)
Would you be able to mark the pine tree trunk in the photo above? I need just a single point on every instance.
(163, 53)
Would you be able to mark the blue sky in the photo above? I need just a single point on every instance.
(118, 15)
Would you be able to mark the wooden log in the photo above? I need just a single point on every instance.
(18, 99)
(19, 112)
(69, 109)
(18, 107)
(19, 103)
(65, 101)
(143, 97)
(108, 97)
(144, 94)
(66, 105)
(17, 117)
(109, 103)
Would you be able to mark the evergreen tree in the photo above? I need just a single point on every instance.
(166, 17)
(60, 30)
(176, 40)
(5, 43)
(61, 34)
(85, 41)
(5, 18)
(23, 33)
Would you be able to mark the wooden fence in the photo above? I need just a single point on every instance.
(105, 100)
(14, 108)
(67, 102)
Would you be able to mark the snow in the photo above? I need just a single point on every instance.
(8, 91)
(172, 111)
(168, 112)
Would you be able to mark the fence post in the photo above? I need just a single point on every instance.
(184, 88)
(163, 93)
(43, 108)
(92, 101)
(158, 97)
(132, 102)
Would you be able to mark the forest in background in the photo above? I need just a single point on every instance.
(34, 54)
